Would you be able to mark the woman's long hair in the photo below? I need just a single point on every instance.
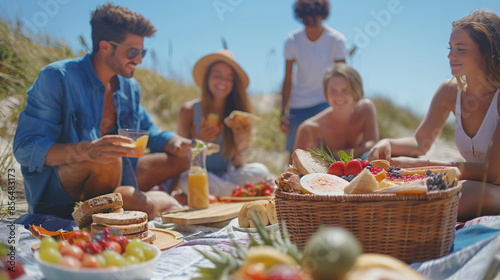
(236, 100)
(484, 29)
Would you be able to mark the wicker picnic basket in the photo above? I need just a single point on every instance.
(410, 227)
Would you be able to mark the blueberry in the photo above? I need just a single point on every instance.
(428, 172)
(430, 181)
(350, 177)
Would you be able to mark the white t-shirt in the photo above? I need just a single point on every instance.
(312, 59)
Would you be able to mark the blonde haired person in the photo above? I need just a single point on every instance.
(223, 84)
(472, 95)
(350, 122)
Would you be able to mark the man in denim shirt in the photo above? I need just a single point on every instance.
(66, 140)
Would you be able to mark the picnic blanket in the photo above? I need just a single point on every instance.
(475, 253)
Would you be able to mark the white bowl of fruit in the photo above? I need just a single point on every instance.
(102, 257)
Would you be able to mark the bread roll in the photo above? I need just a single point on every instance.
(255, 208)
(271, 212)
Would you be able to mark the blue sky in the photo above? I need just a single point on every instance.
(402, 44)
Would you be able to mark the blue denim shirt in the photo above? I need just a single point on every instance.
(65, 105)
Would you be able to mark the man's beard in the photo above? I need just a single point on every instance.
(117, 66)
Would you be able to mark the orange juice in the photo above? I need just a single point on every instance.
(139, 145)
(198, 188)
(213, 119)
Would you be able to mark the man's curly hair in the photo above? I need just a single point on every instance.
(113, 23)
(313, 8)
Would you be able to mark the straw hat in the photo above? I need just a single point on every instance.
(201, 66)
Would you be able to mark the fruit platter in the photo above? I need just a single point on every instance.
(381, 205)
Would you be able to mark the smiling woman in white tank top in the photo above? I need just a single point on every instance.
(472, 95)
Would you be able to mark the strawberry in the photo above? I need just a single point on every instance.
(337, 168)
(353, 167)
(365, 163)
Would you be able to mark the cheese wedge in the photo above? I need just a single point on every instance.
(364, 182)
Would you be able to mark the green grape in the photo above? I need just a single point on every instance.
(101, 259)
(136, 252)
(136, 242)
(113, 258)
(48, 242)
(149, 252)
(50, 255)
(132, 259)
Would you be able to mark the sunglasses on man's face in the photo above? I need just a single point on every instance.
(132, 52)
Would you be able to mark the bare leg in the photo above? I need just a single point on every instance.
(155, 168)
(85, 180)
(152, 202)
(478, 200)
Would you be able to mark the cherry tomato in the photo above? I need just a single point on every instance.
(73, 251)
(70, 262)
(212, 198)
(82, 244)
(79, 234)
(122, 240)
(93, 248)
(113, 245)
(14, 268)
(90, 261)
(62, 243)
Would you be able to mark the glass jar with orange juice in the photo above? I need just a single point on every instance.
(198, 177)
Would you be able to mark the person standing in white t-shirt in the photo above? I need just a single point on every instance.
(313, 49)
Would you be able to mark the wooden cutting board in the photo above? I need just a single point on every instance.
(216, 212)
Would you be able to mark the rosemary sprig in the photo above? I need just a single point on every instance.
(321, 153)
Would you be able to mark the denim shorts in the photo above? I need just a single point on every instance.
(296, 117)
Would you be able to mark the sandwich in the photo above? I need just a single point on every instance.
(244, 118)
(133, 224)
(108, 203)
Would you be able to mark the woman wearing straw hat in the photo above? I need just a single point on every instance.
(223, 84)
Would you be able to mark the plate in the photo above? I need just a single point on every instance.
(234, 223)
(166, 239)
(139, 271)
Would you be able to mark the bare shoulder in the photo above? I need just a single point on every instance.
(365, 107)
(448, 88)
(446, 94)
(365, 103)
(187, 108)
(188, 105)
(311, 123)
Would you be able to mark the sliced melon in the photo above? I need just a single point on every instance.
(322, 184)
